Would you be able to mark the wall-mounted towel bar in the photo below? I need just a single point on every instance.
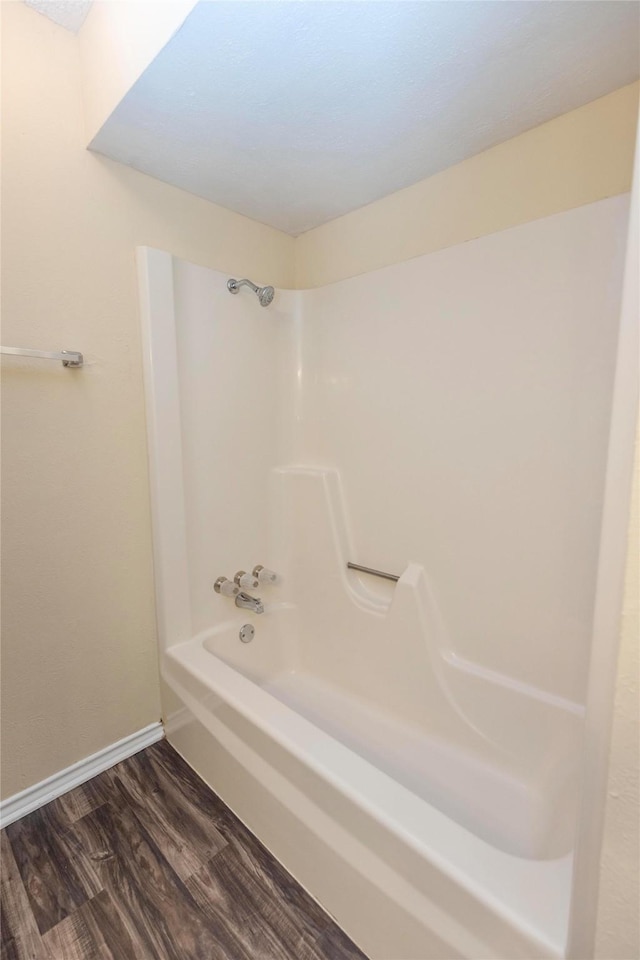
(69, 358)
(375, 573)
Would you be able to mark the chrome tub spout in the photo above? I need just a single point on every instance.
(246, 602)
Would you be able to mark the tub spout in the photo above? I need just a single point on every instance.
(246, 602)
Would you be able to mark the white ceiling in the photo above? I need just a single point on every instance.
(68, 13)
(294, 113)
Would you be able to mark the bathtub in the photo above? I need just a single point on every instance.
(419, 844)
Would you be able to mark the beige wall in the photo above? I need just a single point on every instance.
(618, 930)
(579, 157)
(79, 659)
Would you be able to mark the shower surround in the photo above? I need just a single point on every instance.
(411, 751)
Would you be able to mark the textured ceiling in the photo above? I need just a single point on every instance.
(294, 113)
(68, 13)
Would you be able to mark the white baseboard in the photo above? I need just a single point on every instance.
(20, 804)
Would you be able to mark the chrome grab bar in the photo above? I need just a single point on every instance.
(69, 358)
(375, 573)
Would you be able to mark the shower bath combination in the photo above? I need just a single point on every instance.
(264, 294)
(408, 744)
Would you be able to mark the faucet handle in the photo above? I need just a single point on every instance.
(226, 587)
(264, 575)
(246, 581)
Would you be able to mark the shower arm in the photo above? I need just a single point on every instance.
(234, 285)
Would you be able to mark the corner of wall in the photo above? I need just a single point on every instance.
(118, 41)
(618, 922)
(577, 158)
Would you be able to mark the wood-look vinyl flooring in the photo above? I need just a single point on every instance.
(145, 862)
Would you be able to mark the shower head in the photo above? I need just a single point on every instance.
(265, 294)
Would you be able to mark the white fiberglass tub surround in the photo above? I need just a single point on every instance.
(411, 751)
(501, 761)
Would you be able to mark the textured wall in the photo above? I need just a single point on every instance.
(79, 660)
(579, 157)
(117, 42)
(618, 930)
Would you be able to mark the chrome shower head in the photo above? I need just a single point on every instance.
(265, 294)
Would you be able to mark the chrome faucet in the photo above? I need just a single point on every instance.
(246, 602)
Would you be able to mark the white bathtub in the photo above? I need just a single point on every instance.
(399, 817)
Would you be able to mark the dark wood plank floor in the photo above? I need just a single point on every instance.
(145, 861)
